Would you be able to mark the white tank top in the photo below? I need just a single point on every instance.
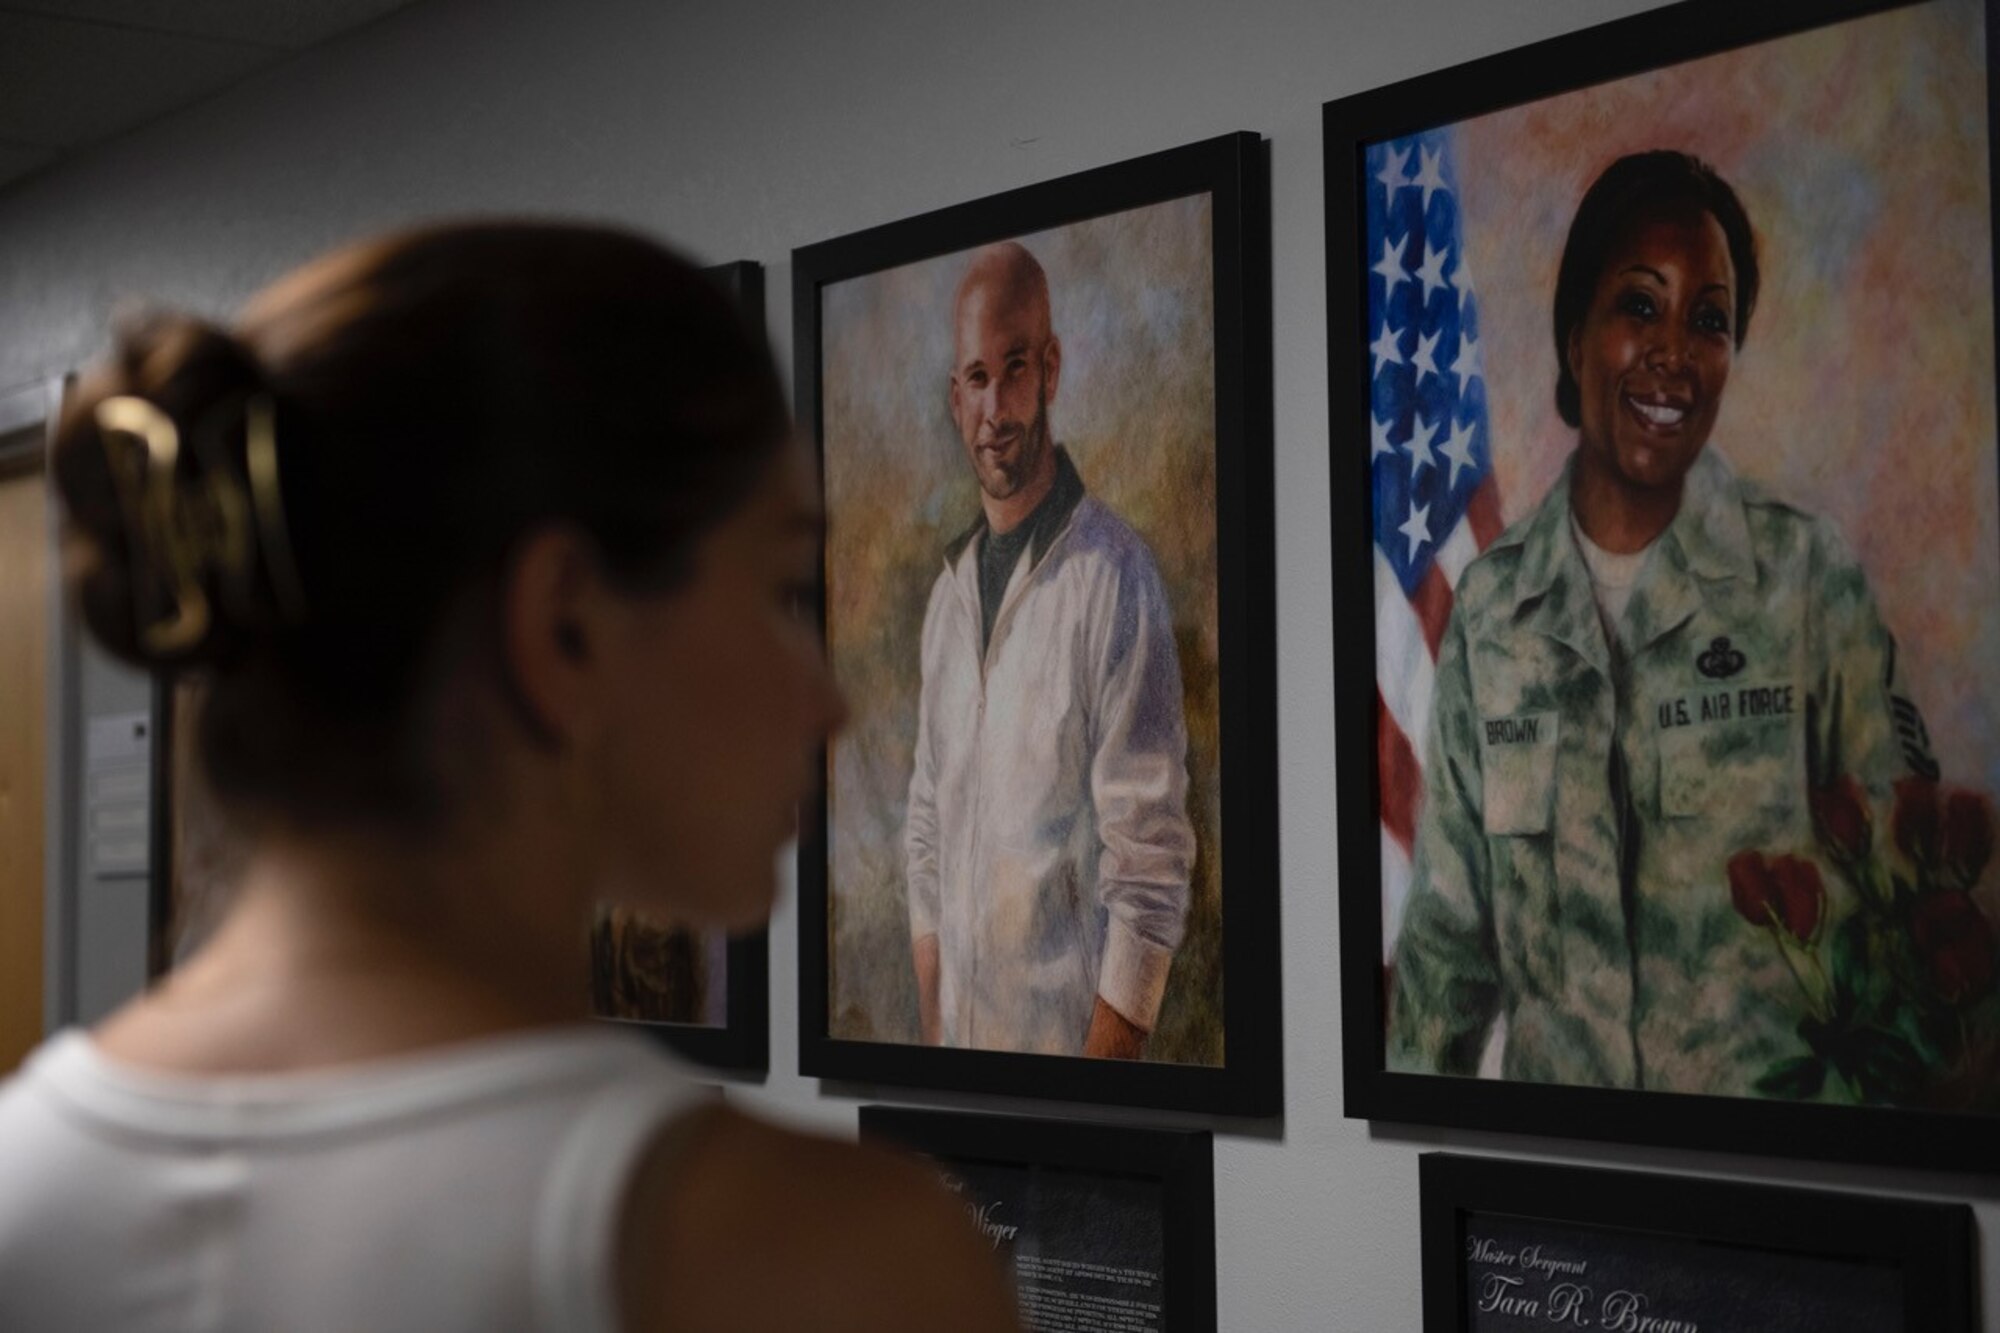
(474, 1188)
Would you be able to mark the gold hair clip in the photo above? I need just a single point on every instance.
(162, 552)
(184, 532)
(261, 427)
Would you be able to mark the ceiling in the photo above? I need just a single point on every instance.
(75, 72)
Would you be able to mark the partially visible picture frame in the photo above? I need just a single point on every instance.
(703, 994)
(1099, 1225)
(706, 995)
(1043, 421)
(1516, 1245)
(1643, 830)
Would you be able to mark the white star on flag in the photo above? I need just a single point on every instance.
(1424, 361)
(1458, 449)
(1430, 174)
(1378, 438)
(1466, 364)
(1392, 270)
(1393, 175)
(1417, 527)
(1386, 349)
(1432, 273)
(1419, 445)
(1436, 499)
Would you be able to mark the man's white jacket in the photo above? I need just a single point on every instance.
(1047, 841)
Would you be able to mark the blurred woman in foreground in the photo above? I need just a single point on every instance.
(489, 541)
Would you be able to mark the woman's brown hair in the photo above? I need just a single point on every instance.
(427, 399)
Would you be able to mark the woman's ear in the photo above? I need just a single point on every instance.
(552, 607)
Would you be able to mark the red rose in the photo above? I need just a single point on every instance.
(1801, 896)
(1840, 816)
(1956, 944)
(1967, 836)
(1916, 820)
(1752, 887)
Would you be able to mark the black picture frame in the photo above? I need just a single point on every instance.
(1180, 1162)
(742, 1043)
(1232, 170)
(1654, 40)
(1929, 1244)
(739, 1045)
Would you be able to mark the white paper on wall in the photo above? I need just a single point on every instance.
(118, 790)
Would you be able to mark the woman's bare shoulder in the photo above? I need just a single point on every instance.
(736, 1224)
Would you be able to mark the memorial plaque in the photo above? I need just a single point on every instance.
(1101, 1227)
(1516, 1245)
(1086, 1250)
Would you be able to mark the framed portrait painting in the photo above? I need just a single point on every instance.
(1667, 565)
(1046, 857)
(703, 993)
(1522, 1245)
(700, 992)
(1099, 1226)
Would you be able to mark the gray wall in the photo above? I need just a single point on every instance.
(745, 129)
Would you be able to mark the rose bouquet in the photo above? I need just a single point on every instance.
(1899, 994)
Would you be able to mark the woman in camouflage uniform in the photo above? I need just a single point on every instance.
(1643, 676)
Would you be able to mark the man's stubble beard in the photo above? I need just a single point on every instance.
(1034, 447)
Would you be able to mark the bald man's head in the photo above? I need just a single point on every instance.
(1002, 282)
(1006, 362)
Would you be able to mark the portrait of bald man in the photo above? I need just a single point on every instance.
(1047, 845)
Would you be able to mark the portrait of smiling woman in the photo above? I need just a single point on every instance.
(1659, 665)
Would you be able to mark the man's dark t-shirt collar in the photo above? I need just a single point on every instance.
(999, 552)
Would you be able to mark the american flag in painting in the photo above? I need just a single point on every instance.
(1436, 504)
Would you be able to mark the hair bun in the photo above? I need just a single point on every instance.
(166, 459)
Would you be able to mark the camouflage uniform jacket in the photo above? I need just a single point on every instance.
(1582, 802)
